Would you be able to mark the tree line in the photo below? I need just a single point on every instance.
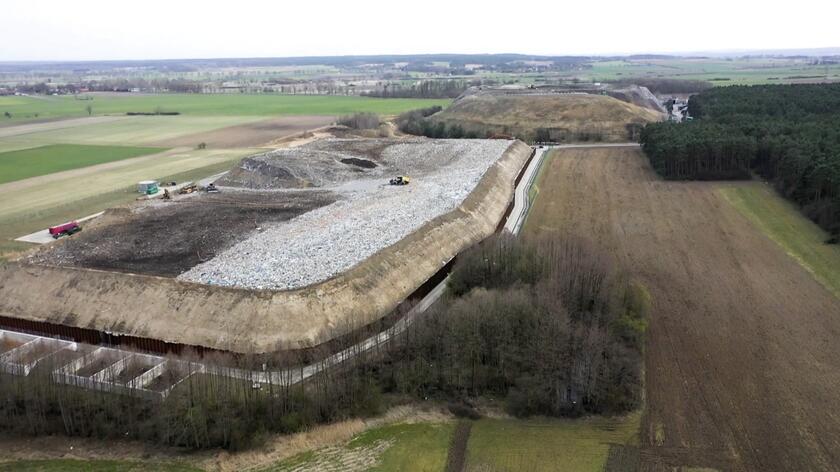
(548, 325)
(424, 89)
(787, 134)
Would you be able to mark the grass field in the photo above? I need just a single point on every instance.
(548, 444)
(22, 164)
(743, 71)
(418, 447)
(70, 465)
(782, 222)
(28, 108)
(121, 131)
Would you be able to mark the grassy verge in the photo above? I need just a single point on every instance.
(417, 447)
(534, 190)
(72, 465)
(782, 222)
(420, 447)
(17, 165)
(548, 444)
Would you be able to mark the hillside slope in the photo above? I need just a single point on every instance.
(567, 117)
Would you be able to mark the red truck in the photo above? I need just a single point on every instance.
(65, 230)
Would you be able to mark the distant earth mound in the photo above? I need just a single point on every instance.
(560, 117)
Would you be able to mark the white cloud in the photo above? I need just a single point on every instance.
(152, 29)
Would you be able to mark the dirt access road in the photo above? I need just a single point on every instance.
(742, 370)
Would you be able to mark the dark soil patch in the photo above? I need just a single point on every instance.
(168, 239)
(457, 457)
(359, 162)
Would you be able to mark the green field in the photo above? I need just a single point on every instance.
(782, 222)
(548, 444)
(30, 108)
(17, 165)
(70, 465)
(719, 71)
(742, 71)
(418, 447)
(117, 130)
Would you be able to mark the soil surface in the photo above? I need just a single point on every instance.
(168, 238)
(742, 371)
(250, 134)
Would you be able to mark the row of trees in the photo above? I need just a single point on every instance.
(788, 134)
(424, 89)
(204, 411)
(548, 325)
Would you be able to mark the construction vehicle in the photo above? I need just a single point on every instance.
(211, 188)
(188, 189)
(400, 180)
(65, 229)
(148, 187)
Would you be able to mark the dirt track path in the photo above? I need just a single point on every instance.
(742, 365)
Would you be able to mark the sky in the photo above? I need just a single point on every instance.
(176, 29)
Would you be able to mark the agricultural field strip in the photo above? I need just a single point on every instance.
(54, 158)
(116, 176)
(30, 128)
(258, 106)
(703, 267)
(522, 200)
(294, 376)
(133, 130)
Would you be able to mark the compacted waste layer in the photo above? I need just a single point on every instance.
(368, 215)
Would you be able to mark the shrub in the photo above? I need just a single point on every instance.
(360, 120)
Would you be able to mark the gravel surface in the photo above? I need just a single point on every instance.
(369, 215)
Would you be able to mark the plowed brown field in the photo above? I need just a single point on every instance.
(251, 134)
(743, 350)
